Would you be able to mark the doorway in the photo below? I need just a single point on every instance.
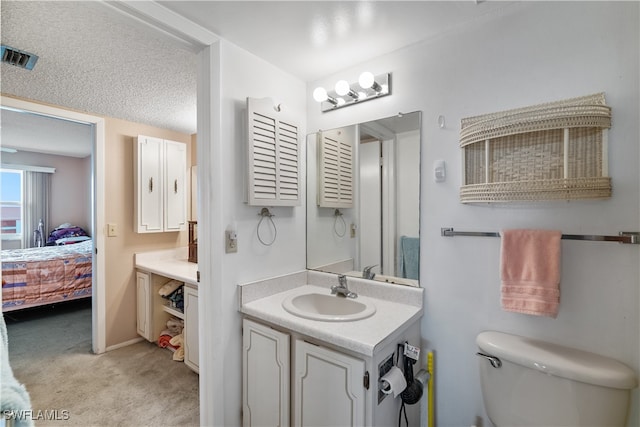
(98, 321)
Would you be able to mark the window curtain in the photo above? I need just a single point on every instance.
(36, 203)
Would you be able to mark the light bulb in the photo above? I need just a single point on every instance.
(320, 94)
(342, 87)
(340, 102)
(362, 95)
(366, 80)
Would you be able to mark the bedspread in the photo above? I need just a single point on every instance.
(38, 276)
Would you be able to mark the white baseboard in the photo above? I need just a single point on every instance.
(124, 344)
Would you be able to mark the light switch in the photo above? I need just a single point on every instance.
(231, 241)
(439, 171)
(112, 230)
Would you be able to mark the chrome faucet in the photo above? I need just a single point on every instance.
(341, 288)
(367, 273)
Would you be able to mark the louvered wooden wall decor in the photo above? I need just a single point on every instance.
(335, 170)
(553, 151)
(273, 155)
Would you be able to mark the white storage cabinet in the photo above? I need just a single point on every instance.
(328, 386)
(153, 312)
(321, 384)
(160, 202)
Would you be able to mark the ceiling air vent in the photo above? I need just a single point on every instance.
(19, 58)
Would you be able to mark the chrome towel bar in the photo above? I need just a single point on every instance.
(629, 237)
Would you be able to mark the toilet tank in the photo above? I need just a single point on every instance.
(540, 383)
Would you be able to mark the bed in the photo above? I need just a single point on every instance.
(39, 276)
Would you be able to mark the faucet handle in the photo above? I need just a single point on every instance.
(366, 272)
(342, 280)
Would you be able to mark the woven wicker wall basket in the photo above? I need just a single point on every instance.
(553, 151)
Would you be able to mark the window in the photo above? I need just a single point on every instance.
(11, 204)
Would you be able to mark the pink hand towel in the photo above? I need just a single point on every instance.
(530, 271)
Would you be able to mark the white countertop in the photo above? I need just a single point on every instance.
(171, 263)
(395, 309)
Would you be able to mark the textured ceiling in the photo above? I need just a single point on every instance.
(96, 59)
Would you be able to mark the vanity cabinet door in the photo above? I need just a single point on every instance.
(143, 301)
(265, 376)
(148, 198)
(175, 201)
(328, 387)
(191, 343)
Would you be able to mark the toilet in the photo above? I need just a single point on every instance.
(527, 382)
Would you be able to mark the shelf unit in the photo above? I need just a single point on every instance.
(552, 151)
(173, 311)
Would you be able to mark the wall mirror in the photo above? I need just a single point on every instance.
(363, 200)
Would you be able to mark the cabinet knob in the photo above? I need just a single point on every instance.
(151, 185)
(175, 186)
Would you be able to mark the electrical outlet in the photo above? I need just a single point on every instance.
(411, 351)
(231, 241)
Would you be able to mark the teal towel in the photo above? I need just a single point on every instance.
(409, 258)
(13, 395)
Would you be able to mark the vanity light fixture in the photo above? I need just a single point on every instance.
(367, 80)
(343, 88)
(320, 95)
(370, 87)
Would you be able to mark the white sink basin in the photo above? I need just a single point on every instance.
(328, 308)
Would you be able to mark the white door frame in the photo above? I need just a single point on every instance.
(210, 313)
(98, 321)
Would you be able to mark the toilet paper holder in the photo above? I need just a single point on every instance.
(384, 367)
(422, 377)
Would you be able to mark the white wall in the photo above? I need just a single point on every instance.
(245, 75)
(70, 186)
(542, 52)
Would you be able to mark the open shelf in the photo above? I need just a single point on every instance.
(173, 311)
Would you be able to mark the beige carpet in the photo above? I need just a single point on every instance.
(137, 385)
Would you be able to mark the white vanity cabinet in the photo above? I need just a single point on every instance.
(328, 387)
(160, 202)
(336, 363)
(191, 342)
(321, 384)
(153, 312)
